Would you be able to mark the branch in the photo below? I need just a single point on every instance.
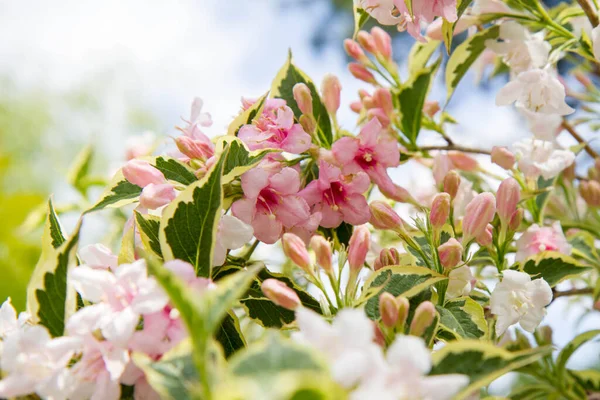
(572, 292)
(579, 139)
(589, 12)
(457, 148)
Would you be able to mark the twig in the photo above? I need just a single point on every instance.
(589, 12)
(457, 148)
(572, 292)
(579, 139)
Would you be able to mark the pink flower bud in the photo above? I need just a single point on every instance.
(378, 113)
(280, 294)
(378, 337)
(194, 149)
(478, 213)
(440, 210)
(303, 98)
(141, 173)
(367, 42)
(590, 191)
(503, 157)
(388, 309)
(383, 99)
(463, 161)
(359, 71)
(383, 216)
(451, 183)
(450, 253)
(322, 249)
(430, 108)
(356, 106)
(383, 42)
(403, 310)
(515, 220)
(486, 237)
(354, 50)
(295, 249)
(424, 316)
(308, 123)
(359, 245)
(386, 258)
(330, 90)
(368, 102)
(157, 195)
(507, 198)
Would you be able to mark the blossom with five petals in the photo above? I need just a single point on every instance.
(540, 158)
(537, 239)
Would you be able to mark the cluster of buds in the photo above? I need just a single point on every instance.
(377, 105)
(386, 258)
(394, 313)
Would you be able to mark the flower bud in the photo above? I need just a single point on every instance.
(367, 42)
(358, 247)
(386, 258)
(383, 42)
(507, 198)
(356, 106)
(157, 195)
(330, 90)
(430, 108)
(322, 249)
(403, 310)
(360, 72)
(515, 220)
(463, 161)
(424, 316)
(141, 173)
(388, 309)
(383, 99)
(308, 123)
(280, 294)
(303, 98)
(440, 210)
(381, 116)
(478, 213)
(486, 237)
(383, 216)
(378, 337)
(503, 157)
(450, 253)
(354, 50)
(590, 191)
(569, 173)
(194, 149)
(368, 102)
(295, 250)
(451, 183)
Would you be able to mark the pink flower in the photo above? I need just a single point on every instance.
(425, 11)
(536, 240)
(271, 203)
(276, 129)
(373, 151)
(338, 198)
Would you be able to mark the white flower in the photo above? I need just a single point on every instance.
(489, 7)
(197, 117)
(231, 234)
(543, 126)
(520, 50)
(32, 362)
(459, 282)
(98, 256)
(537, 90)
(9, 322)
(403, 376)
(535, 240)
(596, 42)
(519, 299)
(347, 343)
(381, 10)
(540, 158)
(121, 298)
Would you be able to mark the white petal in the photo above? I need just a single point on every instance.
(442, 387)
(106, 388)
(539, 292)
(411, 352)
(233, 233)
(532, 319)
(509, 93)
(353, 327)
(98, 256)
(91, 283)
(313, 328)
(8, 318)
(86, 320)
(115, 362)
(15, 385)
(121, 327)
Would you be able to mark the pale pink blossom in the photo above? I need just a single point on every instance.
(541, 158)
(381, 10)
(537, 239)
(98, 256)
(142, 174)
(424, 11)
(157, 195)
(271, 202)
(337, 197)
(232, 233)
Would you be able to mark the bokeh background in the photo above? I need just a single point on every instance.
(81, 72)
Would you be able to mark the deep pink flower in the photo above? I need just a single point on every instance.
(271, 202)
(276, 129)
(337, 197)
(372, 151)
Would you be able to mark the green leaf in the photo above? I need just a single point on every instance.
(127, 250)
(188, 225)
(120, 192)
(448, 27)
(173, 377)
(554, 267)
(149, 228)
(239, 159)
(411, 99)
(464, 56)
(464, 318)
(589, 379)
(230, 335)
(532, 392)
(482, 362)
(570, 348)
(282, 86)
(360, 18)
(49, 300)
(399, 281)
(584, 247)
(79, 170)
(174, 170)
(247, 116)
(420, 54)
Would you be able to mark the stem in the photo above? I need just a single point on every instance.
(573, 292)
(569, 128)
(253, 247)
(457, 148)
(589, 12)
